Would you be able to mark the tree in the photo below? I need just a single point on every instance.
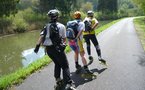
(8, 7)
(107, 5)
(87, 6)
(141, 4)
(65, 6)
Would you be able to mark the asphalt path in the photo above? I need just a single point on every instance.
(124, 54)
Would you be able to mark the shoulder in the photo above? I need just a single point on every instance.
(81, 23)
(60, 24)
(95, 20)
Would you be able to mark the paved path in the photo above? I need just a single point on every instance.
(124, 54)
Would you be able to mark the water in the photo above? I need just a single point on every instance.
(16, 51)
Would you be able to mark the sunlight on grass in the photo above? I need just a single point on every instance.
(140, 28)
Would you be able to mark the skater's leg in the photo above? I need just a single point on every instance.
(96, 44)
(76, 54)
(82, 52)
(87, 40)
(64, 65)
(88, 44)
(53, 55)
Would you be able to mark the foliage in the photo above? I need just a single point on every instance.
(141, 4)
(8, 7)
(107, 15)
(104, 27)
(5, 23)
(65, 6)
(109, 5)
(19, 24)
(127, 8)
(87, 6)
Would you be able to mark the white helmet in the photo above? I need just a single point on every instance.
(90, 13)
(53, 14)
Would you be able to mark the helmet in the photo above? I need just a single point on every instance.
(90, 13)
(53, 14)
(77, 15)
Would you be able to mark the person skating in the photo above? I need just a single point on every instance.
(53, 37)
(76, 43)
(89, 35)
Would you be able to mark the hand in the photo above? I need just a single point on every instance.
(92, 29)
(37, 48)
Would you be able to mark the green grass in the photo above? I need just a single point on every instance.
(105, 26)
(22, 73)
(18, 76)
(140, 28)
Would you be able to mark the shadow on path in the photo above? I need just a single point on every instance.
(80, 81)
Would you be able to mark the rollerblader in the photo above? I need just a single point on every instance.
(53, 37)
(89, 35)
(75, 41)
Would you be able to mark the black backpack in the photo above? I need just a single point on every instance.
(87, 25)
(54, 34)
(56, 38)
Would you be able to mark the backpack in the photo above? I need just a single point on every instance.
(54, 34)
(71, 31)
(87, 25)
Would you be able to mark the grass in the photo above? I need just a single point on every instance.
(140, 28)
(105, 26)
(18, 76)
(21, 74)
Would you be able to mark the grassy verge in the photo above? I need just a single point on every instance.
(21, 74)
(140, 28)
(103, 27)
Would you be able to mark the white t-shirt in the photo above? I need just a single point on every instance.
(81, 27)
(62, 33)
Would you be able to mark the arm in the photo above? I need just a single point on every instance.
(95, 24)
(80, 29)
(38, 44)
(64, 35)
(79, 33)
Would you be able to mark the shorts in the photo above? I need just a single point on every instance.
(76, 45)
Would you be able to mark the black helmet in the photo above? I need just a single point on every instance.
(90, 13)
(53, 14)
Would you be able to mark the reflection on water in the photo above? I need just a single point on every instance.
(17, 51)
(29, 56)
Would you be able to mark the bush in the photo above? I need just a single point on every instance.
(106, 15)
(30, 16)
(35, 20)
(5, 23)
(19, 24)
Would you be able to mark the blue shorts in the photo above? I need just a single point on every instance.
(74, 47)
